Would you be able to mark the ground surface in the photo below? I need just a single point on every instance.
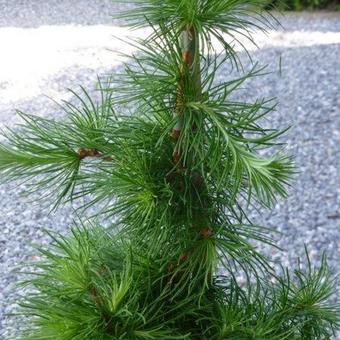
(49, 46)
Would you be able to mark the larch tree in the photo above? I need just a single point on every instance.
(171, 161)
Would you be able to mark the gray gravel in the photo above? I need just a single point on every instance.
(309, 94)
(33, 13)
(306, 21)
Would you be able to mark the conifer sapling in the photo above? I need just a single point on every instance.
(171, 161)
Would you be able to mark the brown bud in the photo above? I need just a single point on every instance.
(186, 57)
(175, 134)
(83, 152)
(183, 257)
(93, 292)
(206, 232)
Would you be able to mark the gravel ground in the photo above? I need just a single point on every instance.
(308, 89)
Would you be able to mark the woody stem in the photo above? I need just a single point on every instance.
(190, 63)
(190, 72)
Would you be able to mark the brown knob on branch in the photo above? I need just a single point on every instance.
(83, 153)
(206, 232)
(175, 134)
(183, 257)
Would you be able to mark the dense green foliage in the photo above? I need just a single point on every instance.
(94, 286)
(173, 178)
